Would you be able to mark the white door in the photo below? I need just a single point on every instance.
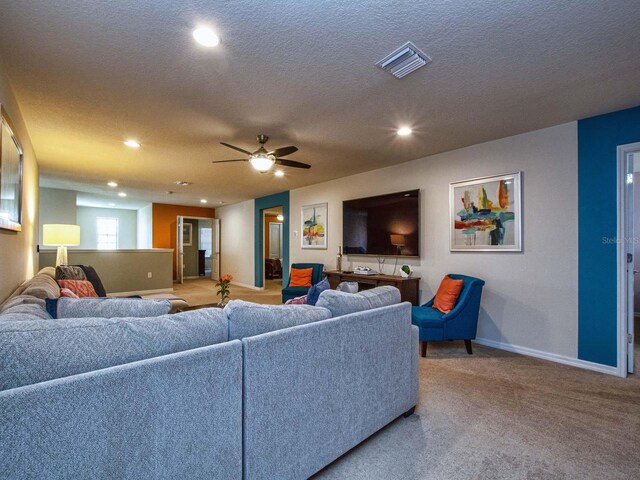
(630, 228)
(215, 253)
(180, 248)
(275, 240)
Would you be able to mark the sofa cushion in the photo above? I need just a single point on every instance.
(35, 351)
(42, 286)
(247, 319)
(316, 290)
(25, 311)
(349, 287)
(106, 307)
(70, 272)
(342, 303)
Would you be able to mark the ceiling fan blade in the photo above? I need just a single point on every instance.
(283, 151)
(235, 148)
(227, 161)
(291, 163)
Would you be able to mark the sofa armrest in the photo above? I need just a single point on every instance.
(175, 416)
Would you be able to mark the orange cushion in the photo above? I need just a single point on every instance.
(300, 277)
(82, 288)
(447, 294)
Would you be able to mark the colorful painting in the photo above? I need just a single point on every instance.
(314, 226)
(486, 214)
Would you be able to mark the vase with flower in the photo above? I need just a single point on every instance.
(223, 288)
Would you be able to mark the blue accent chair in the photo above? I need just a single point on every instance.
(461, 323)
(316, 276)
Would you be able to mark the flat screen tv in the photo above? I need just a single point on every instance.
(386, 225)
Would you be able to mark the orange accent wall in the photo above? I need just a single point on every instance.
(164, 219)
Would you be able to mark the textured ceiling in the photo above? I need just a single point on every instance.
(89, 74)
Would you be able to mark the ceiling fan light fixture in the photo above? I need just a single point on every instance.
(262, 162)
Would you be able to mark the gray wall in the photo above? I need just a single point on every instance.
(123, 270)
(127, 226)
(57, 206)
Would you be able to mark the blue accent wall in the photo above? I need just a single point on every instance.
(276, 200)
(598, 139)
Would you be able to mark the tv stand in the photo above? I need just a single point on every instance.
(409, 287)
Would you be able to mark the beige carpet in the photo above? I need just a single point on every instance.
(498, 415)
(203, 291)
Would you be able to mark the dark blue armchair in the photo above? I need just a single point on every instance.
(461, 323)
(293, 292)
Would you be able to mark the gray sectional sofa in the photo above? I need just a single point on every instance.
(250, 391)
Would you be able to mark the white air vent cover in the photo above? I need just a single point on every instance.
(404, 60)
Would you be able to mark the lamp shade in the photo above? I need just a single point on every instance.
(397, 240)
(60, 234)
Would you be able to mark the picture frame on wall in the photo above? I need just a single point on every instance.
(11, 158)
(486, 214)
(187, 234)
(314, 226)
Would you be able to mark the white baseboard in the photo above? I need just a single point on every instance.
(142, 292)
(553, 357)
(246, 285)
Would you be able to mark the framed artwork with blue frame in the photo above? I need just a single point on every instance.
(486, 214)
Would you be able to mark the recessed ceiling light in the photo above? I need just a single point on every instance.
(221, 202)
(183, 183)
(279, 173)
(112, 184)
(132, 143)
(203, 200)
(206, 37)
(112, 204)
(122, 194)
(404, 131)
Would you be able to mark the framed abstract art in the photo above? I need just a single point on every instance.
(486, 214)
(314, 226)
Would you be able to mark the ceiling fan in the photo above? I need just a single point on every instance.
(262, 160)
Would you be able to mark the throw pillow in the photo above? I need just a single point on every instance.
(66, 293)
(69, 272)
(297, 301)
(300, 277)
(93, 277)
(316, 290)
(82, 288)
(447, 294)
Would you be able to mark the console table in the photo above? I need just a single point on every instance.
(409, 287)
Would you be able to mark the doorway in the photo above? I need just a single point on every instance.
(198, 248)
(273, 219)
(629, 259)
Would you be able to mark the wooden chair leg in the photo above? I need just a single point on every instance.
(467, 343)
(423, 349)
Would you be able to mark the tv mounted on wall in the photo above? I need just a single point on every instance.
(385, 225)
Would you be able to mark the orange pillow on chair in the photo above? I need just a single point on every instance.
(300, 277)
(447, 294)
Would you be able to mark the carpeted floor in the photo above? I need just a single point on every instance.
(203, 291)
(491, 415)
(498, 415)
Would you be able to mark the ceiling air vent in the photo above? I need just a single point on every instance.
(404, 60)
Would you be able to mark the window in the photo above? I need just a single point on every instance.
(107, 228)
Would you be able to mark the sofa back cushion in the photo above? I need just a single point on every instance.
(37, 350)
(32, 292)
(343, 303)
(247, 319)
(42, 286)
(106, 307)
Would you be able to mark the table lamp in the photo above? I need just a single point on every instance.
(398, 242)
(61, 235)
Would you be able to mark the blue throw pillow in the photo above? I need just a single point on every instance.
(316, 290)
